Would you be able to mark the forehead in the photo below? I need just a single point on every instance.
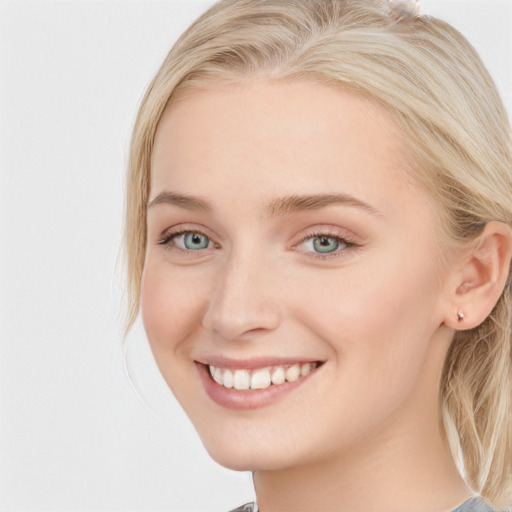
(298, 136)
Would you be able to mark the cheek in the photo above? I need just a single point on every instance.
(171, 305)
(377, 318)
(379, 334)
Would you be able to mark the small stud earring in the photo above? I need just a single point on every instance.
(460, 316)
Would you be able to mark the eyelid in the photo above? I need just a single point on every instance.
(348, 241)
(170, 234)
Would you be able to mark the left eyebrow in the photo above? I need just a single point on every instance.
(295, 203)
(182, 201)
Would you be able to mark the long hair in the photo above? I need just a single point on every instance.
(434, 85)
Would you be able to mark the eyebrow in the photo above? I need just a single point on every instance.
(295, 203)
(277, 207)
(182, 201)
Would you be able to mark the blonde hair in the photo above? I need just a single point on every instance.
(432, 82)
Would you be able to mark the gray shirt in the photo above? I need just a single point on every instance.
(474, 504)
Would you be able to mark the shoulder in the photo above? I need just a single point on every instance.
(248, 507)
(474, 504)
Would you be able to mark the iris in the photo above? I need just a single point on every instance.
(195, 241)
(325, 244)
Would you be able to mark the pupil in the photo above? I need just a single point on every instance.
(196, 241)
(325, 244)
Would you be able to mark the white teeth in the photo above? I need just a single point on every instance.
(263, 378)
(217, 375)
(293, 373)
(241, 380)
(278, 377)
(229, 380)
(260, 379)
(305, 369)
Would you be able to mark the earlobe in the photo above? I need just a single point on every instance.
(480, 277)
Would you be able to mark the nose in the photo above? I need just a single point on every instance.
(243, 301)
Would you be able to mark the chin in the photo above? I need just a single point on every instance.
(248, 456)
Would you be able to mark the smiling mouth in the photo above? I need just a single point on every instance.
(262, 378)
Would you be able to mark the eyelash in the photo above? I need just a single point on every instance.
(345, 242)
(167, 240)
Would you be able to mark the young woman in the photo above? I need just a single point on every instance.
(319, 237)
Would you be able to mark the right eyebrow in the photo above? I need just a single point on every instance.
(181, 200)
(297, 203)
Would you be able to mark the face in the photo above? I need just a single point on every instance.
(289, 253)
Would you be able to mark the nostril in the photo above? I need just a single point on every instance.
(242, 318)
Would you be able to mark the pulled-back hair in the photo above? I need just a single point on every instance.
(434, 85)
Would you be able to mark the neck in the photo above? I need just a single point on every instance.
(403, 465)
(400, 475)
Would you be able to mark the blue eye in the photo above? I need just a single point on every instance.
(325, 244)
(186, 241)
(195, 241)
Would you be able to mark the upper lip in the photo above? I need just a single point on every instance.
(253, 363)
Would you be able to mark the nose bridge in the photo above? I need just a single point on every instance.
(242, 300)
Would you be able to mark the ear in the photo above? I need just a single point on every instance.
(478, 279)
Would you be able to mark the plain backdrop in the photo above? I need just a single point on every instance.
(74, 435)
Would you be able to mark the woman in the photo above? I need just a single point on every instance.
(319, 237)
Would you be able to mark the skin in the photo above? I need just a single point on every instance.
(362, 433)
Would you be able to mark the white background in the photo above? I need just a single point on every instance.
(73, 434)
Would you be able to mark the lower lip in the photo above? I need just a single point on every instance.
(246, 399)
